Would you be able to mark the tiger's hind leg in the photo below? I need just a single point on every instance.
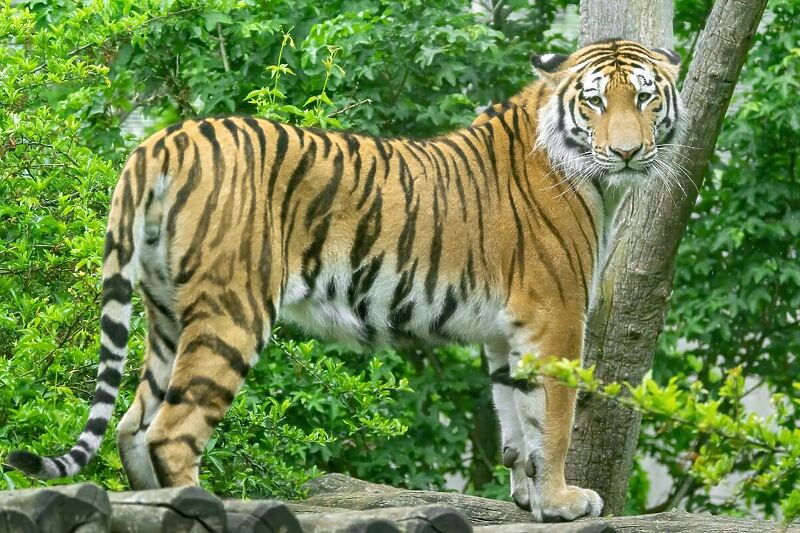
(162, 338)
(512, 438)
(214, 356)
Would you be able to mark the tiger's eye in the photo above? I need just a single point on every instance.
(595, 101)
(643, 97)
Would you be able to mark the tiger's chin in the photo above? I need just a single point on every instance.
(623, 178)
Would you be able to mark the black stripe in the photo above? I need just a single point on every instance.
(181, 143)
(219, 347)
(435, 253)
(520, 239)
(62, 468)
(110, 376)
(262, 139)
(368, 183)
(312, 257)
(169, 343)
(79, 456)
(194, 255)
(97, 426)
(326, 143)
(157, 304)
(281, 147)
(201, 391)
(103, 396)
(502, 376)
(583, 274)
(117, 333)
(233, 128)
(510, 273)
(141, 171)
(153, 347)
(207, 392)
(443, 184)
(173, 128)
(406, 241)
(367, 231)
(189, 440)
(153, 384)
(193, 178)
(174, 395)
(403, 288)
(459, 184)
(233, 306)
(471, 269)
(322, 203)
(481, 230)
(449, 307)
(302, 168)
(117, 288)
(108, 355)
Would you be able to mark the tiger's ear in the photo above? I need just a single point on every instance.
(671, 55)
(672, 60)
(547, 64)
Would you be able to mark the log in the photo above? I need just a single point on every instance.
(260, 516)
(82, 508)
(337, 483)
(421, 519)
(15, 521)
(491, 516)
(581, 526)
(674, 521)
(345, 523)
(167, 510)
(344, 492)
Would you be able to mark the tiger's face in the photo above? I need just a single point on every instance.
(613, 109)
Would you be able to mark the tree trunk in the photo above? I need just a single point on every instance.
(633, 295)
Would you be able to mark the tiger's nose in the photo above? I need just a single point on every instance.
(625, 155)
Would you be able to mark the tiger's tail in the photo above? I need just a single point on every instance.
(119, 271)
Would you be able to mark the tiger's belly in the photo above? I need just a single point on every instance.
(379, 307)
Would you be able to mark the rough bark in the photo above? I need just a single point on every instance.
(337, 494)
(479, 511)
(633, 296)
(646, 21)
(418, 519)
(674, 521)
(257, 516)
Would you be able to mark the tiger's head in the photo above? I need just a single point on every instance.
(613, 109)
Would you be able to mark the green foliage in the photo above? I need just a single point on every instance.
(730, 437)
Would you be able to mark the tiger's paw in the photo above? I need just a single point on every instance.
(567, 505)
(521, 488)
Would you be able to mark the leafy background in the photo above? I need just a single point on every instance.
(75, 72)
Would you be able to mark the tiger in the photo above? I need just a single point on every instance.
(492, 234)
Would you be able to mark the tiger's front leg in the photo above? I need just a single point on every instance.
(546, 411)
